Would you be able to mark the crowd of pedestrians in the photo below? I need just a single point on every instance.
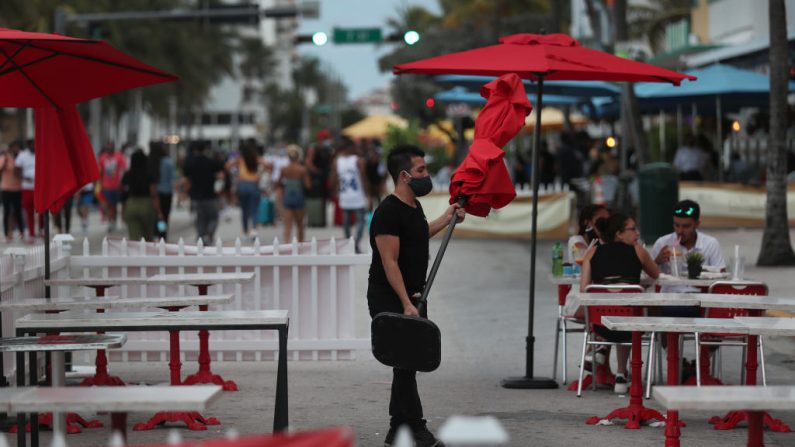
(284, 184)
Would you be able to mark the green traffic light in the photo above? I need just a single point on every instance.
(411, 37)
(320, 38)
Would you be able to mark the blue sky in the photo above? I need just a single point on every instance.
(356, 64)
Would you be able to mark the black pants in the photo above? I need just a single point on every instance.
(405, 406)
(12, 207)
(165, 208)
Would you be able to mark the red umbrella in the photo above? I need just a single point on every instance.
(55, 72)
(482, 177)
(538, 57)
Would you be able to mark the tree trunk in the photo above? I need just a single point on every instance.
(629, 103)
(776, 246)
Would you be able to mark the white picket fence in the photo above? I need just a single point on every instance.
(315, 281)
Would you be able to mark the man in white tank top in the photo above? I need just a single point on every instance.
(347, 175)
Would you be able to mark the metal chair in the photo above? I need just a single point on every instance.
(722, 339)
(593, 317)
(564, 325)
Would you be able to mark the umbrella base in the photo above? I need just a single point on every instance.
(529, 383)
(192, 419)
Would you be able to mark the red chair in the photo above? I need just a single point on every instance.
(563, 326)
(720, 339)
(593, 317)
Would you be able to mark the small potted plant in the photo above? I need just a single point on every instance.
(694, 261)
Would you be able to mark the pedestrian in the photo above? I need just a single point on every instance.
(203, 179)
(318, 162)
(294, 181)
(11, 188)
(112, 165)
(139, 199)
(63, 218)
(399, 235)
(249, 167)
(26, 162)
(162, 168)
(375, 169)
(84, 203)
(690, 160)
(348, 176)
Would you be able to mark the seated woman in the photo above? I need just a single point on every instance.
(586, 231)
(619, 260)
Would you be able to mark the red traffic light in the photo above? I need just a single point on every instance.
(429, 103)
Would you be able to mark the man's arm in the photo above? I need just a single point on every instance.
(442, 221)
(389, 248)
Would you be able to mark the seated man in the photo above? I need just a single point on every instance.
(686, 222)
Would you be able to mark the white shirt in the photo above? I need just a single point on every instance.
(351, 189)
(705, 244)
(26, 161)
(574, 240)
(689, 159)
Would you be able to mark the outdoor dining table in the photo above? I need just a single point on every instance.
(56, 345)
(672, 326)
(116, 400)
(754, 401)
(203, 281)
(166, 321)
(100, 286)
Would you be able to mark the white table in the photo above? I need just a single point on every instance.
(110, 302)
(116, 400)
(757, 302)
(203, 281)
(674, 324)
(57, 345)
(753, 400)
(171, 321)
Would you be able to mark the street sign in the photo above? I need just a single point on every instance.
(357, 35)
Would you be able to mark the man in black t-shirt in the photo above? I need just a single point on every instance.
(202, 175)
(399, 235)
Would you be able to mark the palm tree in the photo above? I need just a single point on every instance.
(776, 245)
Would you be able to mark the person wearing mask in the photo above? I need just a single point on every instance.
(619, 260)
(587, 232)
(140, 202)
(348, 176)
(399, 235)
(294, 180)
(11, 189)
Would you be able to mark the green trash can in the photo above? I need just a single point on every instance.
(658, 192)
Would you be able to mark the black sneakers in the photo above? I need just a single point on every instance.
(422, 436)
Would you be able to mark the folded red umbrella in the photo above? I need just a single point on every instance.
(64, 158)
(330, 437)
(483, 177)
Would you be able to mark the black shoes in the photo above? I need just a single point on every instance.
(422, 436)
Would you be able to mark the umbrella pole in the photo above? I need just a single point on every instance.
(46, 252)
(528, 381)
(440, 254)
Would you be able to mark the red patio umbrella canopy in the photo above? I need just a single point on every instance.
(52, 73)
(556, 56)
(482, 177)
(45, 70)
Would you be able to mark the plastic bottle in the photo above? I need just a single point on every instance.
(557, 259)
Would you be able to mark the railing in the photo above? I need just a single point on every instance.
(314, 281)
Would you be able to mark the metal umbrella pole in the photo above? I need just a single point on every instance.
(528, 381)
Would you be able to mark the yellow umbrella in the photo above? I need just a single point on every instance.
(374, 126)
(552, 119)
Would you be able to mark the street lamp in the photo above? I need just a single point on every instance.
(411, 37)
(320, 38)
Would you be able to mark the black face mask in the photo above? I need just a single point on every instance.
(421, 186)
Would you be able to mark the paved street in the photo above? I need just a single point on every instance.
(480, 303)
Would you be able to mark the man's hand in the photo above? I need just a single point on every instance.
(410, 310)
(457, 210)
(664, 256)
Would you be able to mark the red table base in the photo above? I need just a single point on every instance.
(192, 419)
(73, 423)
(635, 413)
(204, 375)
(733, 418)
(603, 377)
